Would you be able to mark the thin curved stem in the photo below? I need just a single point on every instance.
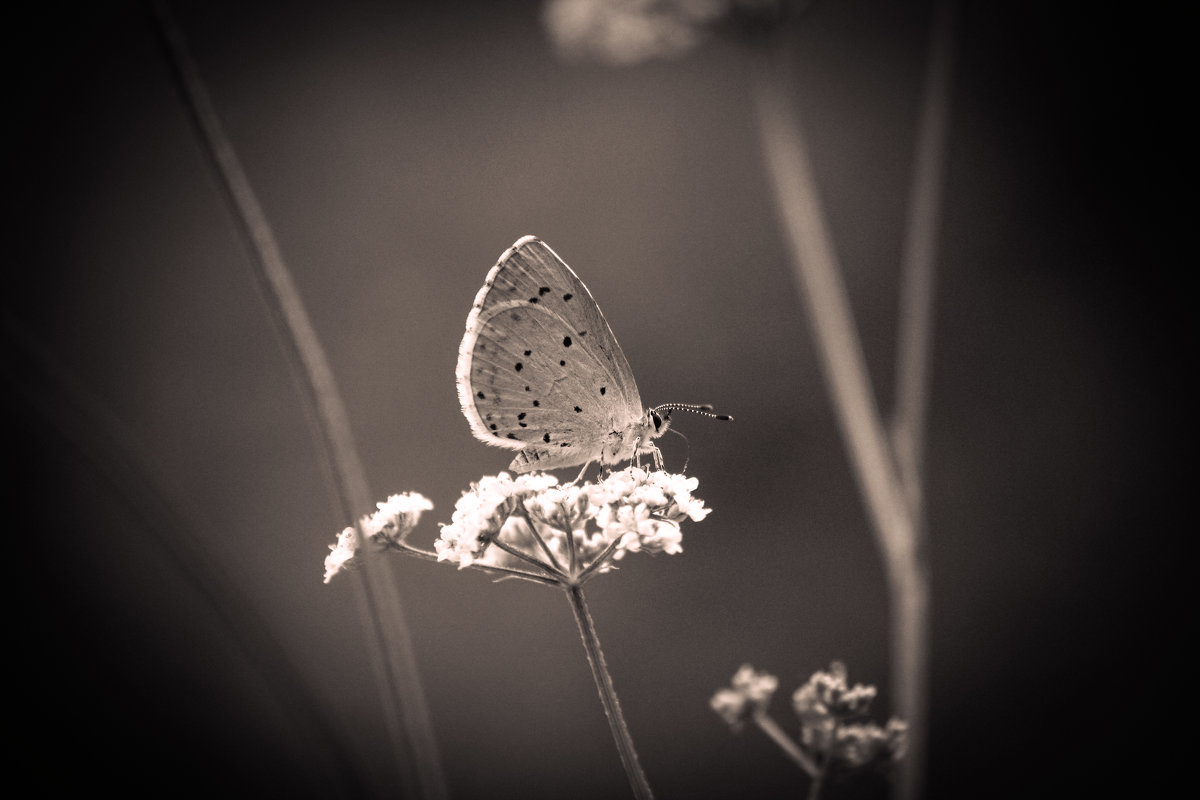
(381, 612)
(523, 556)
(537, 535)
(911, 630)
(598, 561)
(608, 695)
(917, 267)
(886, 495)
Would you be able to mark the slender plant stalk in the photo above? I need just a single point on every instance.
(387, 636)
(913, 357)
(608, 695)
(887, 486)
(771, 728)
(915, 327)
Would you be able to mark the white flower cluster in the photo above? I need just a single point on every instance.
(749, 695)
(833, 720)
(622, 32)
(629, 511)
(833, 716)
(393, 520)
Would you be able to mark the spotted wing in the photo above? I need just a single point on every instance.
(539, 368)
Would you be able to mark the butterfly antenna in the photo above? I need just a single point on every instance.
(703, 409)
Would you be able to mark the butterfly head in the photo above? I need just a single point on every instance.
(658, 419)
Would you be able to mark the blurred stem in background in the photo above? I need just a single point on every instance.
(887, 464)
(388, 642)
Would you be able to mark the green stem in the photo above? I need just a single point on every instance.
(608, 695)
(401, 696)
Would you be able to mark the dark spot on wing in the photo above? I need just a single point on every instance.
(528, 352)
(533, 299)
(562, 363)
(543, 291)
(512, 436)
(546, 438)
(521, 415)
(578, 409)
(519, 366)
(480, 395)
(537, 403)
(603, 389)
(568, 296)
(493, 426)
(566, 341)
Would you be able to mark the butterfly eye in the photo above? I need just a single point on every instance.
(657, 420)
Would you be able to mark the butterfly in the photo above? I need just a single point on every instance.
(540, 371)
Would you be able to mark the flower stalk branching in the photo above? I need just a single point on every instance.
(535, 529)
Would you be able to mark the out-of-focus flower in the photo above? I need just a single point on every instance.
(864, 743)
(749, 694)
(342, 553)
(391, 523)
(622, 32)
(833, 720)
(626, 32)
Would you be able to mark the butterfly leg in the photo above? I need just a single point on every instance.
(581, 473)
(657, 455)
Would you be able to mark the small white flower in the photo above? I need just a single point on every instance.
(343, 553)
(730, 704)
(391, 523)
(395, 517)
(757, 686)
(750, 693)
(482, 511)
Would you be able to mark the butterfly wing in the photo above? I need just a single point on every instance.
(539, 368)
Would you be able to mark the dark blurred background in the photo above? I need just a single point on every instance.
(171, 517)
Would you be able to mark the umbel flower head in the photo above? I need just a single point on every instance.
(568, 531)
(388, 527)
(833, 720)
(535, 528)
(834, 727)
(749, 694)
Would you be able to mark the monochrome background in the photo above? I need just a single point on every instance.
(166, 491)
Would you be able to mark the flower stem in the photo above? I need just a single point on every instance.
(417, 757)
(911, 621)
(785, 742)
(887, 484)
(522, 514)
(608, 695)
